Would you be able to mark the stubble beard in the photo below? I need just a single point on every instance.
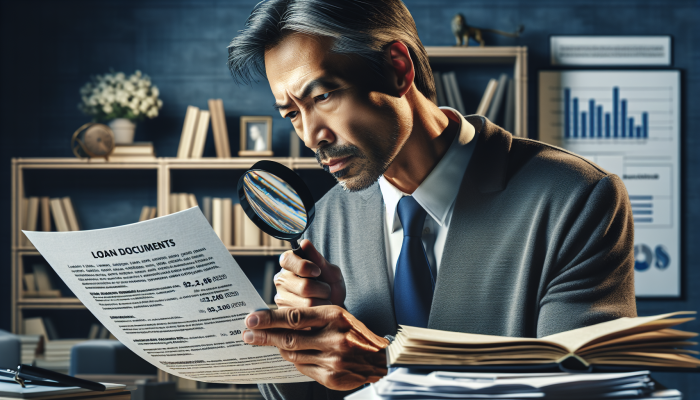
(369, 166)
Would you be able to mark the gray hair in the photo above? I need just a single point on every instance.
(361, 27)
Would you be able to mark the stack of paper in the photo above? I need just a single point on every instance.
(30, 343)
(404, 384)
(11, 390)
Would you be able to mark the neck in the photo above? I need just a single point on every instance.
(430, 137)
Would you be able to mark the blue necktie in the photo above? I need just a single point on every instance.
(413, 281)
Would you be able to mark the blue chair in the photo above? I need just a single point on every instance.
(10, 350)
(107, 357)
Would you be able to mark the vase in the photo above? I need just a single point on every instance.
(123, 130)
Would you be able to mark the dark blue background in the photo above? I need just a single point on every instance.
(50, 48)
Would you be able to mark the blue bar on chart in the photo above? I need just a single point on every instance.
(567, 112)
(591, 115)
(575, 119)
(623, 114)
(616, 100)
(597, 123)
(631, 127)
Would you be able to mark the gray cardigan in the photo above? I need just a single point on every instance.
(540, 242)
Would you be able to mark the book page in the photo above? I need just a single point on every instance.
(577, 338)
(170, 291)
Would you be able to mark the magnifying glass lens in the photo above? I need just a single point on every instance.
(275, 202)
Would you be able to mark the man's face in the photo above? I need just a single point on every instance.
(336, 109)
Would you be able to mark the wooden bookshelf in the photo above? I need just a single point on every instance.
(162, 167)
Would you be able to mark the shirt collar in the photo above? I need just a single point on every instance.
(438, 191)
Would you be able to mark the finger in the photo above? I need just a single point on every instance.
(299, 266)
(329, 273)
(285, 339)
(302, 287)
(303, 356)
(286, 300)
(294, 317)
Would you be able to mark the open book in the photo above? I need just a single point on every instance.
(627, 343)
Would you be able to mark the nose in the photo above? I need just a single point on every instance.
(316, 132)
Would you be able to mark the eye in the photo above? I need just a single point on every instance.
(323, 96)
(292, 115)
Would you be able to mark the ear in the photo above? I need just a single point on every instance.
(402, 67)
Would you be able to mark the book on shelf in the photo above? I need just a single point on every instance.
(45, 214)
(59, 217)
(188, 128)
(217, 217)
(227, 225)
(238, 219)
(145, 212)
(621, 344)
(183, 201)
(42, 286)
(69, 212)
(206, 208)
(31, 218)
(451, 77)
(218, 125)
(486, 98)
(200, 135)
(439, 89)
(509, 117)
(449, 95)
(498, 98)
(143, 149)
(192, 200)
(137, 151)
(148, 212)
(251, 233)
(294, 144)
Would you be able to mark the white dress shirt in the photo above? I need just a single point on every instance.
(436, 194)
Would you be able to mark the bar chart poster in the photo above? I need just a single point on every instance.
(627, 122)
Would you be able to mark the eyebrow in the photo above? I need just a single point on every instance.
(308, 89)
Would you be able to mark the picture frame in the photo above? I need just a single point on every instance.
(256, 136)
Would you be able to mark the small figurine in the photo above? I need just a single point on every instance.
(463, 32)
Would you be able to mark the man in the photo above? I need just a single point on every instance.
(438, 220)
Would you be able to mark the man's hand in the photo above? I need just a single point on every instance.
(294, 289)
(338, 351)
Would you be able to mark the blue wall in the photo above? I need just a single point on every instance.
(50, 48)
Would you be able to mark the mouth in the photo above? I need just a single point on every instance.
(336, 164)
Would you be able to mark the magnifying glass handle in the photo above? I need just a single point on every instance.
(296, 249)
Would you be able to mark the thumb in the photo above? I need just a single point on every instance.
(329, 273)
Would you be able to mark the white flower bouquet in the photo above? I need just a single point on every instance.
(113, 95)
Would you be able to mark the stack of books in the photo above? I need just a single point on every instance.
(56, 355)
(31, 344)
(196, 126)
(607, 360)
(148, 212)
(137, 151)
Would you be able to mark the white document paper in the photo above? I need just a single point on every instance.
(170, 291)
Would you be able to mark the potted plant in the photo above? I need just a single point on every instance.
(121, 101)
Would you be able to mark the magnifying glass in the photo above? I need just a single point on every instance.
(278, 201)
